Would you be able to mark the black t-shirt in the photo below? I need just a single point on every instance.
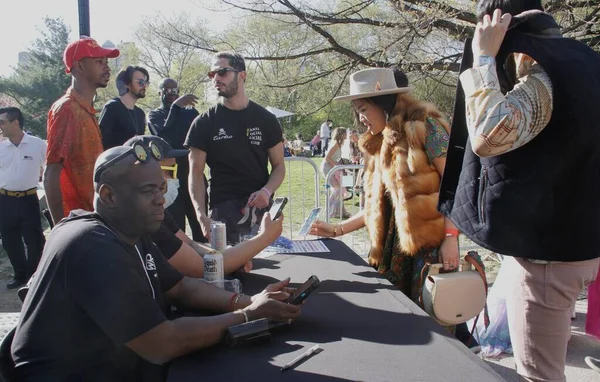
(165, 238)
(173, 125)
(92, 293)
(236, 143)
(118, 123)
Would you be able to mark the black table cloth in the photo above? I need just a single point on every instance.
(368, 330)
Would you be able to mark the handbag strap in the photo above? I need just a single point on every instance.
(474, 259)
(421, 278)
(424, 273)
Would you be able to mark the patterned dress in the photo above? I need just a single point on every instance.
(402, 270)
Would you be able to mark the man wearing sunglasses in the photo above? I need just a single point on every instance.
(171, 122)
(121, 119)
(95, 310)
(180, 250)
(238, 139)
(74, 140)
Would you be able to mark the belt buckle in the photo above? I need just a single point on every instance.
(19, 194)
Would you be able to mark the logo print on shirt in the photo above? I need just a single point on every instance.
(150, 266)
(254, 135)
(27, 157)
(222, 135)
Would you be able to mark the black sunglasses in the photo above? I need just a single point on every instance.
(221, 72)
(174, 91)
(139, 151)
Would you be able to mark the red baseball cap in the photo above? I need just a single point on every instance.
(85, 47)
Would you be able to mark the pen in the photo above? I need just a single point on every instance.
(301, 357)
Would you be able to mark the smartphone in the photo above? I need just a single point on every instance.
(277, 207)
(310, 219)
(304, 290)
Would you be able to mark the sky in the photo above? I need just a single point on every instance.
(113, 20)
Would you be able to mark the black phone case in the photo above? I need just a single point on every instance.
(298, 299)
(278, 214)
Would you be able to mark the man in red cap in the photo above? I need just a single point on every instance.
(74, 141)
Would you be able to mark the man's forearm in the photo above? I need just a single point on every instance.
(235, 257)
(198, 193)
(176, 338)
(193, 333)
(53, 192)
(197, 294)
(276, 178)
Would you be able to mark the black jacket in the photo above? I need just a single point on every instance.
(540, 201)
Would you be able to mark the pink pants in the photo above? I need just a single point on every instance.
(539, 308)
(592, 325)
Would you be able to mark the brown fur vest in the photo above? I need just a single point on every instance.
(397, 164)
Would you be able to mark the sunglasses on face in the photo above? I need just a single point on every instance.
(171, 91)
(143, 82)
(138, 150)
(221, 72)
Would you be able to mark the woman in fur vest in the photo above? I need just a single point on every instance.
(405, 153)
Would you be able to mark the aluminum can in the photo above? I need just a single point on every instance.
(218, 236)
(213, 268)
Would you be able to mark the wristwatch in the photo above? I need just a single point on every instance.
(482, 60)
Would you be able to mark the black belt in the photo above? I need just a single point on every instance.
(18, 194)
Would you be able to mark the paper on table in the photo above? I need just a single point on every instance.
(306, 246)
(298, 246)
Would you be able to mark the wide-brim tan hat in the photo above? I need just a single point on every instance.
(372, 82)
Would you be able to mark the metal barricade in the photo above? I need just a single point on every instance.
(302, 187)
(297, 210)
(358, 240)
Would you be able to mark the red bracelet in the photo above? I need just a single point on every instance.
(452, 232)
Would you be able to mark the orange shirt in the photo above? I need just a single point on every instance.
(74, 141)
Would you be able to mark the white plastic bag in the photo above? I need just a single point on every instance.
(496, 339)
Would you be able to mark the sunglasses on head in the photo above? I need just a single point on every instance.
(138, 150)
(173, 91)
(172, 168)
(143, 82)
(221, 72)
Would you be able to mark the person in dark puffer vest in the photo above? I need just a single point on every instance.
(522, 176)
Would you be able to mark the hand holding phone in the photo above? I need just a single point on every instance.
(304, 290)
(277, 207)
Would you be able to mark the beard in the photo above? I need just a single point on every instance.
(231, 89)
(139, 94)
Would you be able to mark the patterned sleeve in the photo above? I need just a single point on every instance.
(501, 123)
(60, 135)
(436, 142)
